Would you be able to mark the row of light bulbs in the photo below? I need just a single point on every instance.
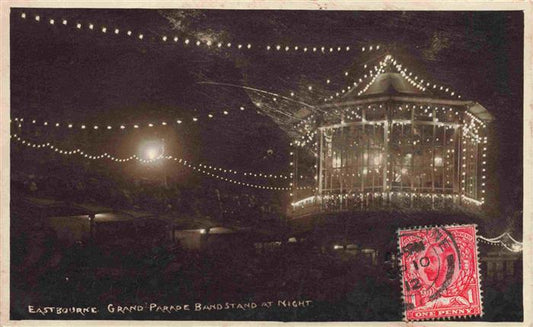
(356, 117)
(382, 66)
(478, 142)
(69, 125)
(122, 126)
(354, 113)
(248, 46)
(249, 174)
(357, 82)
(208, 43)
(498, 238)
(334, 197)
(199, 168)
(514, 248)
(419, 83)
(413, 80)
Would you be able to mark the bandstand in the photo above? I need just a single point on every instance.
(397, 143)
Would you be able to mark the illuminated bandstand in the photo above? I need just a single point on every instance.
(396, 144)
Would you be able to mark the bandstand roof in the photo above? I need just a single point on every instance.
(481, 112)
(391, 83)
(393, 86)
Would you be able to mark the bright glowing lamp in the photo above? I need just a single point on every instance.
(151, 153)
(152, 150)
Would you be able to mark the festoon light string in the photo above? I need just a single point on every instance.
(189, 41)
(357, 81)
(513, 246)
(421, 83)
(120, 126)
(201, 168)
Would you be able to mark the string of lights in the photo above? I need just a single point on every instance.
(473, 144)
(204, 169)
(292, 167)
(251, 174)
(380, 70)
(411, 78)
(513, 246)
(419, 82)
(121, 126)
(328, 197)
(192, 41)
(446, 117)
(358, 81)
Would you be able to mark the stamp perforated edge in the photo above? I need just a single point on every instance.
(415, 228)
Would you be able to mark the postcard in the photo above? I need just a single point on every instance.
(277, 162)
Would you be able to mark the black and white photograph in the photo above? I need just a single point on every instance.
(291, 164)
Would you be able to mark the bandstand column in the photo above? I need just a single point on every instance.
(295, 173)
(412, 155)
(434, 123)
(387, 159)
(341, 166)
(320, 168)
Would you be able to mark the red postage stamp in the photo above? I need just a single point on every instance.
(440, 275)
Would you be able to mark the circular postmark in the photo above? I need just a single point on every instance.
(436, 263)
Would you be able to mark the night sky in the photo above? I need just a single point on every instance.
(60, 73)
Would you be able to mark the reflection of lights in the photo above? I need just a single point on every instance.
(336, 247)
(202, 231)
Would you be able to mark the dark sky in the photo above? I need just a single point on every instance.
(60, 73)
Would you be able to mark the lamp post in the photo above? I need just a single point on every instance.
(155, 151)
(165, 182)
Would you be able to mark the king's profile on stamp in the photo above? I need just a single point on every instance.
(440, 275)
